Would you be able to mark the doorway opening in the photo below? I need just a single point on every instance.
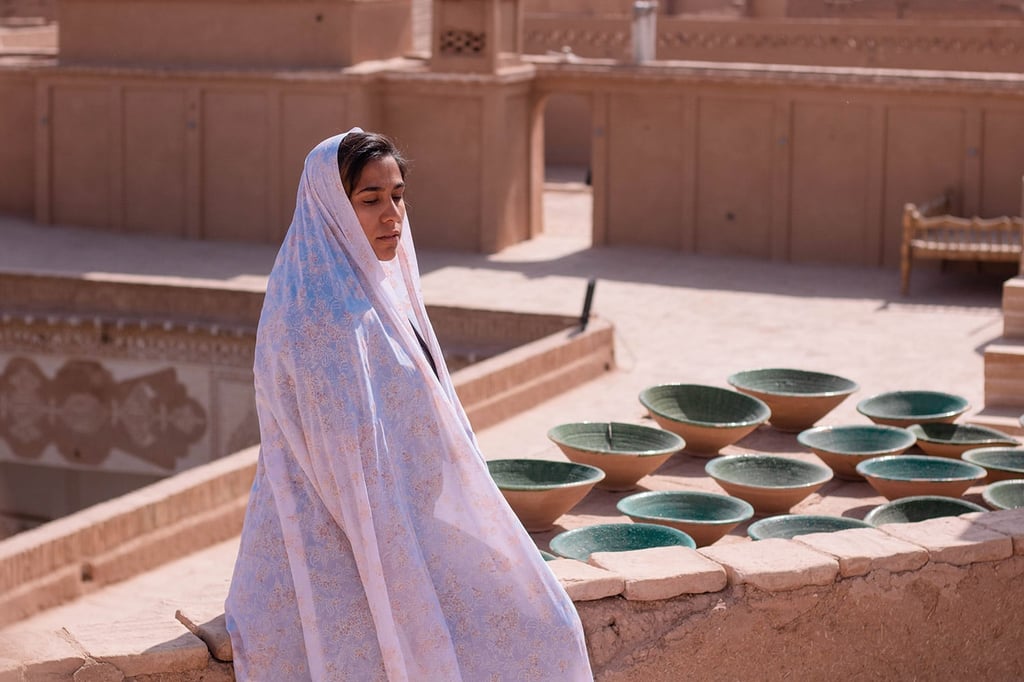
(568, 194)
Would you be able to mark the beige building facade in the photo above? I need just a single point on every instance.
(192, 120)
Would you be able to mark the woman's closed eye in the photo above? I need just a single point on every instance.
(373, 200)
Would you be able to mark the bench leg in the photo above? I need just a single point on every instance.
(905, 272)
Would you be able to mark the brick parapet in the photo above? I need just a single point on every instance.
(109, 541)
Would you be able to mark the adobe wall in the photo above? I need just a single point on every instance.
(214, 33)
(28, 9)
(940, 621)
(17, 142)
(794, 164)
(974, 45)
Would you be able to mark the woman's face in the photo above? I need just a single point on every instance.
(378, 199)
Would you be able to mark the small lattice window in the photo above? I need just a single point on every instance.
(461, 42)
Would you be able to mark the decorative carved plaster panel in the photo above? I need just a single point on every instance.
(84, 413)
(127, 395)
(844, 42)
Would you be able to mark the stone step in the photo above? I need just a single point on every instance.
(1005, 419)
(1004, 373)
(1013, 308)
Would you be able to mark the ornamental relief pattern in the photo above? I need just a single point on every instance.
(556, 38)
(135, 339)
(85, 413)
(847, 43)
(539, 40)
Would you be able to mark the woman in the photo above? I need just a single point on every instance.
(375, 544)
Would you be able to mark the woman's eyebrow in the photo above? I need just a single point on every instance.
(375, 188)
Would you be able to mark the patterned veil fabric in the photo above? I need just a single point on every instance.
(375, 545)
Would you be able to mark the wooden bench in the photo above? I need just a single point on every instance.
(929, 231)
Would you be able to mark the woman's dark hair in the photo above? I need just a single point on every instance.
(358, 149)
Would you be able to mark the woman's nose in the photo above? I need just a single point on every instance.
(391, 212)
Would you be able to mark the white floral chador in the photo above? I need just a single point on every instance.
(375, 544)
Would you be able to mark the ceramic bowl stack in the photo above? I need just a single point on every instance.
(771, 484)
(1008, 494)
(580, 543)
(797, 398)
(942, 439)
(791, 525)
(539, 491)
(896, 476)
(625, 452)
(842, 448)
(1002, 464)
(707, 417)
(920, 508)
(705, 517)
(903, 408)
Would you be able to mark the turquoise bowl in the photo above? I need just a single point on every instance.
(896, 476)
(1008, 494)
(1001, 464)
(540, 490)
(903, 408)
(580, 543)
(797, 398)
(790, 525)
(920, 508)
(548, 556)
(705, 517)
(625, 452)
(943, 439)
(707, 417)
(771, 484)
(842, 448)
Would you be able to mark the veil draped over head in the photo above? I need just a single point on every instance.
(376, 545)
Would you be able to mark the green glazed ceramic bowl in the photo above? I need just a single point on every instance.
(540, 490)
(903, 408)
(707, 417)
(580, 543)
(797, 398)
(842, 448)
(790, 525)
(625, 452)
(1007, 494)
(771, 484)
(1001, 464)
(896, 476)
(705, 517)
(943, 439)
(919, 508)
(548, 556)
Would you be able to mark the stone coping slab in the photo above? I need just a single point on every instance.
(41, 654)
(662, 572)
(774, 565)
(954, 539)
(862, 550)
(206, 621)
(141, 647)
(1009, 522)
(584, 582)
